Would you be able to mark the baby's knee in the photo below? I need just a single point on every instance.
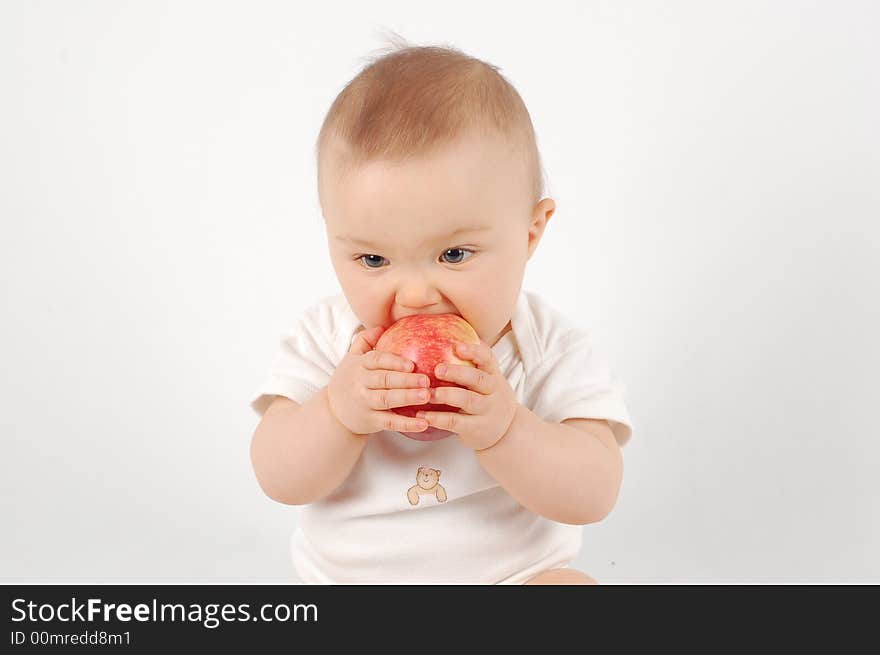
(561, 576)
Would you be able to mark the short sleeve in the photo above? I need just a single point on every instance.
(577, 383)
(305, 361)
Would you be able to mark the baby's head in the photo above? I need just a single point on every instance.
(430, 183)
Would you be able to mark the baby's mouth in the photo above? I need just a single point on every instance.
(422, 314)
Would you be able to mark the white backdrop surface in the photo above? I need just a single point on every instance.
(715, 168)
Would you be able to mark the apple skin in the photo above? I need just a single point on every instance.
(428, 340)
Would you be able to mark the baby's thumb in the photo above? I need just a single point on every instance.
(366, 340)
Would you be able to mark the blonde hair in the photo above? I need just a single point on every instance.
(415, 99)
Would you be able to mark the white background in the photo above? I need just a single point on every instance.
(715, 167)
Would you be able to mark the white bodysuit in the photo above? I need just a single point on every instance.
(459, 526)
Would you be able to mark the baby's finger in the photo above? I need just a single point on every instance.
(468, 401)
(478, 353)
(467, 376)
(384, 379)
(365, 340)
(388, 398)
(397, 423)
(379, 359)
(451, 421)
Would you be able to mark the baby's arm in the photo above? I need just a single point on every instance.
(569, 472)
(300, 453)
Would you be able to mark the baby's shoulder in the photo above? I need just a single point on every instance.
(327, 314)
(549, 332)
(328, 320)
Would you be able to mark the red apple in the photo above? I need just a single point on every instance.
(428, 340)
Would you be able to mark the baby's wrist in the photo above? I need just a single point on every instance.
(334, 415)
(494, 442)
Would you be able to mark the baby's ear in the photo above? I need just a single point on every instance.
(438, 474)
(540, 216)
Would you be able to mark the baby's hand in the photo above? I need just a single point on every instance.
(368, 383)
(488, 404)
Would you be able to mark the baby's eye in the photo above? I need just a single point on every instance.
(372, 261)
(456, 255)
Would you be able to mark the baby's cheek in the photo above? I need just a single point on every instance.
(371, 309)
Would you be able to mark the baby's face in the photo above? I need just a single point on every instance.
(450, 233)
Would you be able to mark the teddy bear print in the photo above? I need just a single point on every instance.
(427, 482)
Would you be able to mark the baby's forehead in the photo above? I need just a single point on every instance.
(474, 159)
(468, 187)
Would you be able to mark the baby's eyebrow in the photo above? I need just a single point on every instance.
(368, 244)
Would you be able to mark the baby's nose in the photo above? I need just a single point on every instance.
(417, 296)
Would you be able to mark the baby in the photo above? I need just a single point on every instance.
(430, 184)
